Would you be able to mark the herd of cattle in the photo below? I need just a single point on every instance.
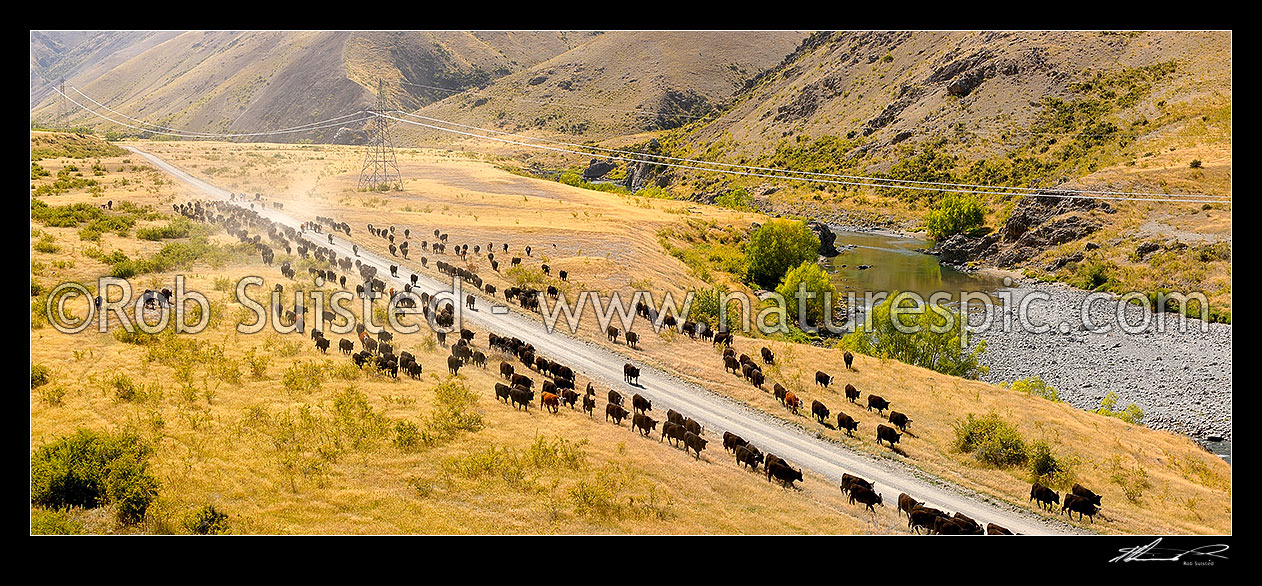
(558, 385)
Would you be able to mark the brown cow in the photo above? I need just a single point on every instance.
(993, 529)
(550, 402)
(643, 423)
(849, 358)
(640, 404)
(694, 442)
(906, 503)
(589, 403)
(852, 393)
(878, 402)
(850, 481)
(616, 412)
(615, 397)
(674, 431)
(792, 402)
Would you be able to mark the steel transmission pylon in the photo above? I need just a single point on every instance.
(62, 110)
(381, 168)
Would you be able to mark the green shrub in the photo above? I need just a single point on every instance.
(776, 247)
(944, 350)
(1134, 481)
(736, 199)
(1034, 386)
(407, 435)
(40, 375)
(955, 214)
(991, 440)
(90, 469)
(1131, 414)
(815, 281)
(206, 521)
(46, 245)
(180, 227)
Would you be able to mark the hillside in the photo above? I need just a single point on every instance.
(619, 83)
(248, 82)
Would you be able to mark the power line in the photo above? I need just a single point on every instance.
(1000, 189)
(300, 127)
(187, 134)
(813, 174)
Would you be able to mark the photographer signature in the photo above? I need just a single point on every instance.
(1147, 553)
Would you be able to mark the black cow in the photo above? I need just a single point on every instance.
(849, 358)
(346, 346)
(640, 404)
(323, 345)
(852, 393)
(783, 472)
(822, 379)
(1081, 505)
(732, 441)
(454, 364)
(631, 373)
(899, 420)
(865, 496)
(615, 397)
(847, 423)
(922, 516)
(819, 410)
(506, 370)
(589, 404)
(747, 456)
(522, 397)
(1044, 495)
(616, 412)
(878, 402)
(1082, 491)
(767, 356)
(502, 392)
(886, 433)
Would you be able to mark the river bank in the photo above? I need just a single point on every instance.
(1179, 377)
(1177, 371)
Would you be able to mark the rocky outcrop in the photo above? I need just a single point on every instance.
(827, 240)
(1035, 211)
(1037, 224)
(962, 249)
(598, 168)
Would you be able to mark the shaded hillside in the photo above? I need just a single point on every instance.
(620, 83)
(247, 82)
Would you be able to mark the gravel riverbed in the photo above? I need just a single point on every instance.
(1179, 377)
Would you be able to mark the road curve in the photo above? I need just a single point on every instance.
(716, 413)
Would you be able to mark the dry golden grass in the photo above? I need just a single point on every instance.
(368, 491)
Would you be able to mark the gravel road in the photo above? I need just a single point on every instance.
(717, 413)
